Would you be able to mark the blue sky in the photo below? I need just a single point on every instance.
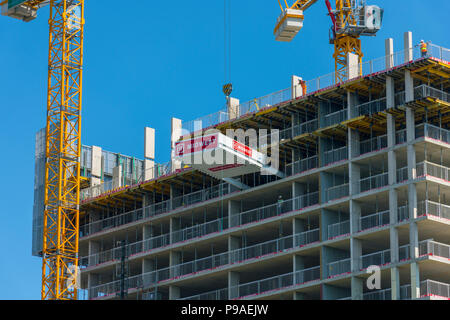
(146, 64)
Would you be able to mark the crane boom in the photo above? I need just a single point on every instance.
(63, 143)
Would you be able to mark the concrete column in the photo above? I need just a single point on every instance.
(395, 283)
(149, 154)
(297, 88)
(93, 248)
(390, 93)
(234, 208)
(298, 265)
(352, 66)
(392, 158)
(357, 288)
(354, 178)
(353, 143)
(174, 226)
(233, 283)
(93, 280)
(96, 170)
(389, 45)
(174, 260)
(298, 190)
(234, 243)
(355, 254)
(415, 281)
(233, 108)
(352, 103)
(408, 42)
(355, 216)
(117, 177)
(176, 135)
(409, 86)
(298, 226)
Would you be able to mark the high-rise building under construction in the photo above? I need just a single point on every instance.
(362, 181)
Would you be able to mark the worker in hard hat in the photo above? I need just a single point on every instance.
(423, 49)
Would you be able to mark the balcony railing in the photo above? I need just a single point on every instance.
(335, 118)
(433, 132)
(402, 175)
(339, 267)
(372, 182)
(431, 169)
(336, 155)
(307, 237)
(338, 229)
(306, 127)
(371, 107)
(374, 144)
(430, 288)
(403, 213)
(380, 258)
(375, 220)
(221, 294)
(433, 248)
(401, 137)
(302, 165)
(433, 208)
(276, 283)
(337, 192)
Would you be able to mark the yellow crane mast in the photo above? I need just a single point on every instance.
(63, 143)
(351, 19)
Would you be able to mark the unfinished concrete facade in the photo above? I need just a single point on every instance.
(366, 166)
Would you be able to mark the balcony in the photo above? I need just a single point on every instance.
(432, 132)
(306, 127)
(373, 145)
(338, 229)
(433, 248)
(337, 192)
(373, 182)
(338, 268)
(435, 209)
(380, 258)
(372, 221)
(334, 156)
(426, 168)
(302, 165)
(371, 107)
(334, 118)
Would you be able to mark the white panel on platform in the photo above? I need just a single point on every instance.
(219, 156)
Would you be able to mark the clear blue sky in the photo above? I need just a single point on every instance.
(146, 64)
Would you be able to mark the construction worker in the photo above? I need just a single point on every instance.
(423, 49)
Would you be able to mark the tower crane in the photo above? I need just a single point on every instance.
(63, 143)
(351, 19)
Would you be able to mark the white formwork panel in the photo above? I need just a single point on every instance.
(219, 156)
(289, 23)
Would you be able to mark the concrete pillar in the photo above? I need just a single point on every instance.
(408, 42)
(233, 108)
(389, 45)
(395, 283)
(234, 243)
(353, 143)
(298, 190)
(298, 265)
(352, 103)
(175, 136)
(149, 154)
(233, 283)
(355, 216)
(415, 281)
(298, 226)
(96, 169)
(175, 225)
(390, 93)
(409, 86)
(93, 248)
(93, 280)
(117, 177)
(174, 260)
(354, 178)
(353, 70)
(355, 254)
(234, 208)
(297, 88)
(357, 288)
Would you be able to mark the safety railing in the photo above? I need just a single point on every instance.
(424, 91)
(403, 213)
(402, 175)
(374, 144)
(431, 169)
(199, 230)
(433, 248)
(431, 288)
(221, 294)
(269, 100)
(384, 294)
(404, 252)
(156, 209)
(375, 220)
(302, 165)
(339, 267)
(433, 132)
(334, 118)
(401, 137)
(371, 107)
(279, 208)
(380, 258)
(433, 208)
(306, 127)
(373, 182)
(276, 283)
(335, 155)
(307, 237)
(205, 122)
(338, 229)
(337, 192)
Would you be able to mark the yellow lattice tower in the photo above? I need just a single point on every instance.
(63, 148)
